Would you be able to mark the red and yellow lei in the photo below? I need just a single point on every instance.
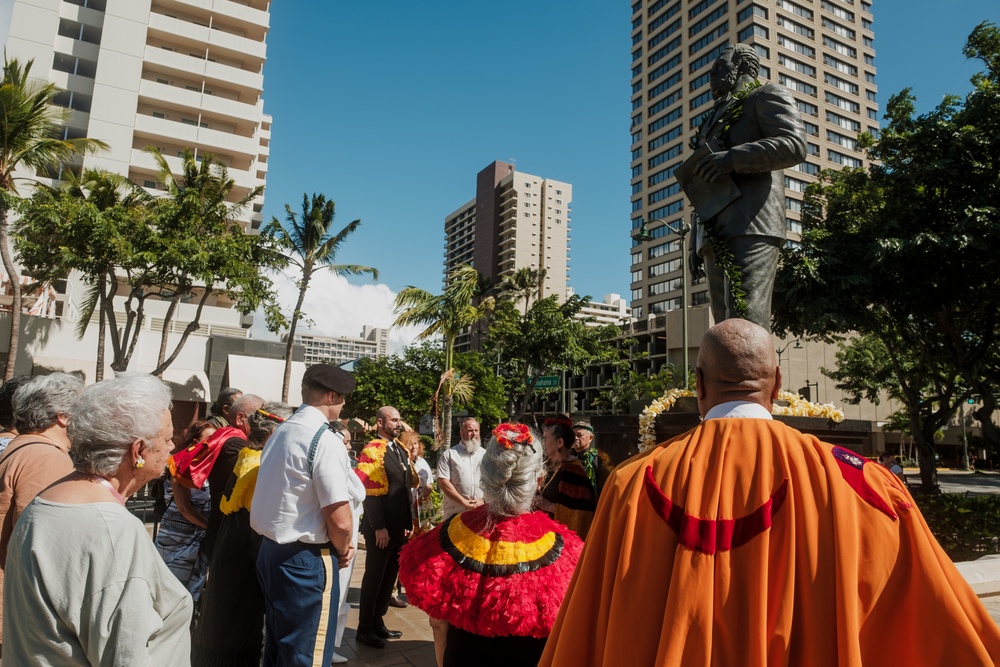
(371, 468)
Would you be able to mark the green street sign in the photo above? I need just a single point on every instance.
(547, 382)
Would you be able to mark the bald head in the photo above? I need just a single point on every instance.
(388, 423)
(736, 362)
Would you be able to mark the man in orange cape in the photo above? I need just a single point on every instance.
(745, 542)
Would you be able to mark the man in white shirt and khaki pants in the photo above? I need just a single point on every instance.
(301, 510)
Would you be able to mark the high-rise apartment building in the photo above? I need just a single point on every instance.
(515, 221)
(175, 74)
(822, 50)
(337, 350)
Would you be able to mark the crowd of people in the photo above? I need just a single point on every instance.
(742, 541)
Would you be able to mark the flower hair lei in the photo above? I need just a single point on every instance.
(509, 435)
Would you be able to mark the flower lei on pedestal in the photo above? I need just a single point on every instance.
(800, 407)
(797, 407)
(647, 420)
(723, 256)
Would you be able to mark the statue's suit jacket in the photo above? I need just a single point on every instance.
(767, 138)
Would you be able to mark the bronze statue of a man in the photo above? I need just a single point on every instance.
(752, 133)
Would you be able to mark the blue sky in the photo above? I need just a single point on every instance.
(391, 109)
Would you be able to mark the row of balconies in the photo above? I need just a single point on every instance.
(250, 51)
(252, 12)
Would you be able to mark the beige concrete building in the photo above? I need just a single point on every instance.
(516, 221)
(822, 50)
(337, 350)
(612, 309)
(173, 74)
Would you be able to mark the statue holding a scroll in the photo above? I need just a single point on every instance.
(735, 182)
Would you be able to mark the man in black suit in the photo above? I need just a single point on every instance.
(384, 467)
(757, 132)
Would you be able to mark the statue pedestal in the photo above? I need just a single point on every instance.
(618, 435)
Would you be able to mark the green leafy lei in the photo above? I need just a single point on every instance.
(724, 256)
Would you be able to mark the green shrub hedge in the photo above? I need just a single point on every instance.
(968, 527)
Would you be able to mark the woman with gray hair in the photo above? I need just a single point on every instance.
(40, 454)
(497, 574)
(87, 583)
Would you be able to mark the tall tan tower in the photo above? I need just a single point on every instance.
(822, 50)
(516, 221)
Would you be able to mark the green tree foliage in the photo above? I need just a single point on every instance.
(310, 244)
(626, 386)
(59, 231)
(29, 127)
(545, 339)
(203, 249)
(409, 380)
(905, 252)
(458, 308)
(125, 243)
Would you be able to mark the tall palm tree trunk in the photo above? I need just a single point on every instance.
(102, 322)
(165, 333)
(449, 388)
(15, 285)
(291, 340)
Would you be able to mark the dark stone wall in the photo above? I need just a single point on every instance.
(220, 347)
(618, 435)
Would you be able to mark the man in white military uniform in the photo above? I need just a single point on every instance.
(301, 510)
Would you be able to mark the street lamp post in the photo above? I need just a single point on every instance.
(681, 229)
(781, 351)
(965, 439)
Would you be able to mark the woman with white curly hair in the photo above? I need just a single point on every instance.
(84, 577)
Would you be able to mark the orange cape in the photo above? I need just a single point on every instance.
(745, 542)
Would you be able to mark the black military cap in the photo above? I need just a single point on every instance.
(330, 378)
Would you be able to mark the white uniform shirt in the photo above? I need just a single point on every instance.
(288, 499)
(464, 471)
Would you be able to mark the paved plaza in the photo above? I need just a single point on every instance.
(416, 646)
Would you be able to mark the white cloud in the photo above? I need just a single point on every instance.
(339, 308)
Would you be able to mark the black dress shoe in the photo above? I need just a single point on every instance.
(386, 633)
(370, 639)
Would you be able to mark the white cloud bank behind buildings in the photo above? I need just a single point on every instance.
(337, 307)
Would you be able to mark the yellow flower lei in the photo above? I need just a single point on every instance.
(797, 407)
(647, 420)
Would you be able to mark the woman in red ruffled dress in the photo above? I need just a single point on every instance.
(497, 574)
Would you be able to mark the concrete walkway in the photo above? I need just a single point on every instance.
(415, 647)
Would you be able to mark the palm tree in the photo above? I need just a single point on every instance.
(104, 190)
(525, 283)
(447, 314)
(311, 245)
(29, 125)
(196, 207)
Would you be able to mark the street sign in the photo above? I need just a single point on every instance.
(547, 382)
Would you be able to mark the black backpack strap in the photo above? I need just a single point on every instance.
(313, 445)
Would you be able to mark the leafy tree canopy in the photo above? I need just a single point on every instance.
(905, 252)
(546, 338)
(408, 381)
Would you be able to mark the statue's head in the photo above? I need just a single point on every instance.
(735, 62)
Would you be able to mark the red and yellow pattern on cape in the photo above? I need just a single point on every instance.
(492, 576)
(763, 547)
(371, 468)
